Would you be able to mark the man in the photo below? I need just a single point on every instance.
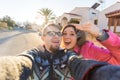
(53, 63)
(50, 64)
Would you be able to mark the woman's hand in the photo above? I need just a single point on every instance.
(90, 28)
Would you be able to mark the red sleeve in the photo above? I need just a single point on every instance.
(113, 45)
(90, 51)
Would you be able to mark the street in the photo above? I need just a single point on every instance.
(17, 41)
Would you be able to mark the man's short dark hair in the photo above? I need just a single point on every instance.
(49, 25)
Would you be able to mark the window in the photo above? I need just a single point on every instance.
(96, 22)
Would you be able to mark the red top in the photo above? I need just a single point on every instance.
(110, 55)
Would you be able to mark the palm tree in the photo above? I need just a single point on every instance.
(47, 13)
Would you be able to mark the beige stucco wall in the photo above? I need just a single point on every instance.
(85, 12)
(86, 15)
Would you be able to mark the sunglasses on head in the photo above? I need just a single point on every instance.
(53, 33)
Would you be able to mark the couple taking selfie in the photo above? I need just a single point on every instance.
(76, 59)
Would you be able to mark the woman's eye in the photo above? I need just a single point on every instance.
(64, 33)
(72, 34)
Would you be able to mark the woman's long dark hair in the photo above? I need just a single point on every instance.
(81, 36)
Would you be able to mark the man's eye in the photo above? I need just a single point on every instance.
(51, 33)
(59, 34)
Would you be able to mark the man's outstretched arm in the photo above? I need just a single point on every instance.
(93, 70)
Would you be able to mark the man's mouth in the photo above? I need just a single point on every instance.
(56, 42)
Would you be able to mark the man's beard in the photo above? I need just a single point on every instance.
(54, 49)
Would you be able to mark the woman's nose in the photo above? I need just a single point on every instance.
(67, 36)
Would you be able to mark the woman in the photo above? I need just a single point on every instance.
(75, 39)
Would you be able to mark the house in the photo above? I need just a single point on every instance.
(84, 14)
(103, 19)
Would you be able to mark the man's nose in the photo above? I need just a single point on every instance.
(56, 35)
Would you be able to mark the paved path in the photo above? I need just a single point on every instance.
(15, 42)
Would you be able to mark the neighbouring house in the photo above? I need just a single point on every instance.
(99, 18)
(34, 27)
(104, 19)
(82, 14)
(114, 20)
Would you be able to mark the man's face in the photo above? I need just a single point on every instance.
(52, 38)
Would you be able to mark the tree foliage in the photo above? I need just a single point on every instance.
(8, 20)
(46, 13)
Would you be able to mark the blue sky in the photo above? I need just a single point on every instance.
(27, 10)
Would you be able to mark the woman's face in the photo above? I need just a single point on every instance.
(69, 38)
